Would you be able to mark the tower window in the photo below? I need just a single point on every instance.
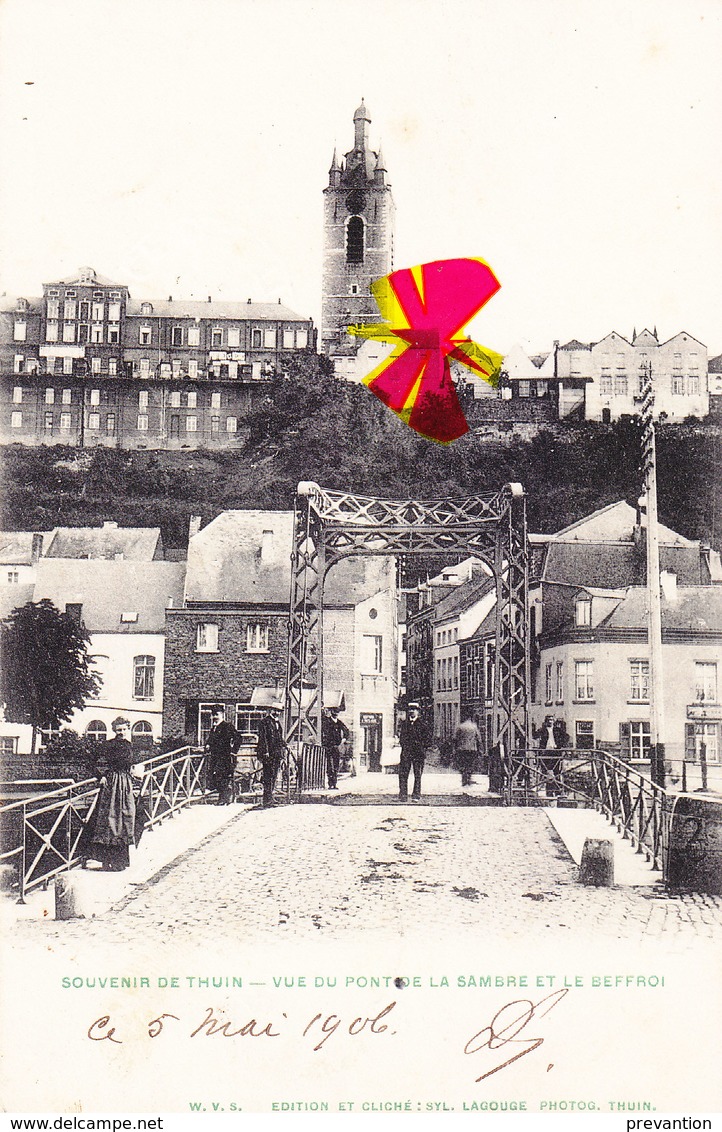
(355, 240)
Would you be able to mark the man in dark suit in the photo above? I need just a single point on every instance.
(333, 733)
(412, 737)
(221, 745)
(270, 749)
(553, 738)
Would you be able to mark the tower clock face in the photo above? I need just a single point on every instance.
(355, 201)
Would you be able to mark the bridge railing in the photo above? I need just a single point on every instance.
(637, 807)
(40, 835)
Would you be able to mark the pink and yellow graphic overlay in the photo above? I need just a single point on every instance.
(425, 308)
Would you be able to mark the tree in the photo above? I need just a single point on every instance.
(45, 672)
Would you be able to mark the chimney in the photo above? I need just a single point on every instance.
(37, 549)
(194, 526)
(170, 298)
(668, 582)
(209, 298)
(249, 301)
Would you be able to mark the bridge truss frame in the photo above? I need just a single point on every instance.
(331, 525)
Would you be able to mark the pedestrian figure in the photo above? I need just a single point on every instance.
(270, 749)
(412, 737)
(221, 745)
(114, 825)
(467, 746)
(334, 732)
(553, 738)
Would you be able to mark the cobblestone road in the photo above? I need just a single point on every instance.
(329, 872)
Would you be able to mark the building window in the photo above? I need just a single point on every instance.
(456, 672)
(146, 308)
(48, 422)
(584, 679)
(94, 396)
(301, 339)
(143, 677)
(110, 424)
(143, 399)
(112, 366)
(216, 338)
(142, 424)
(68, 332)
(548, 683)
(693, 386)
(13, 577)
(256, 339)
(257, 637)
(215, 400)
(96, 731)
(438, 675)
(639, 675)
(231, 424)
(53, 309)
(144, 336)
(20, 331)
(192, 400)
(16, 420)
(355, 240)
(93, 421)
(678, 383)
(705, 682)
(65, 422)
(584, 735)
(114, 312)
(67, 396)
(95, 365)
(113, 335)
(191, 424)
(205, 721)
(234, 337)
(583, 611)
(560, 681)
(524, 389)
(288, 339)
(51, 332)
(699, 735)
(372, 655)
(269, 339)
(620, 385)
(207, 636)
(635, 739)
(677, 361)
(18, 395)
(175, 399)
(67, 367)
(69, 308)
(215, 424)
(176, 336)
(98, 313)
(194, 335)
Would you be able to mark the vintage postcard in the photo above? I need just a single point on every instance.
(395, 765)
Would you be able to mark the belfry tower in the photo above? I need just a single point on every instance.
(358, 221)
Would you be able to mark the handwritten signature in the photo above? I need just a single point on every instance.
(506, 1024)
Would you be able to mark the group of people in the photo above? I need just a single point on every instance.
(222, 746)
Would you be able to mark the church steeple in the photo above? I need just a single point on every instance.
(358, 231)
(361, 121)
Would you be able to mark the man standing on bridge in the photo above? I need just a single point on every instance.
(412, 737)
(270, 749)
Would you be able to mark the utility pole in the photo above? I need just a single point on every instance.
(654, 600)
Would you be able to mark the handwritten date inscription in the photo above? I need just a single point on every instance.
(511, 1030)
(319, 1027)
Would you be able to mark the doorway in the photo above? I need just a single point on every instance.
(372, 725)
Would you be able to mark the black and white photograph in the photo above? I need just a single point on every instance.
(361, 560)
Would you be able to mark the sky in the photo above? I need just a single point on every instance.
(182, 146)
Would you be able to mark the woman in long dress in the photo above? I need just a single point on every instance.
(113, 824)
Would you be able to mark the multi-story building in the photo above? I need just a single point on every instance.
(358, 220)
(86, 365)
(456, 617)
(230, 638)
(115, 582)
(602, 381)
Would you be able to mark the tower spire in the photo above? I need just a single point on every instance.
(361, 121)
